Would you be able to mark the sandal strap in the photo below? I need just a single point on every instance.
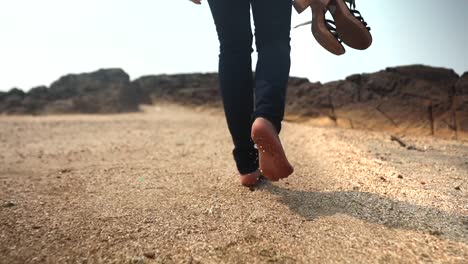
(356, 13)
(352, 3)
(331, 26)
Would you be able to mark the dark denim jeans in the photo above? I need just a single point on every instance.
(245, 97)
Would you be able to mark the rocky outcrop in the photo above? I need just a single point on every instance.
(412, 99)
(190, 89)
(460, 103)
(11, 101)
(406, 99)
(103, 91)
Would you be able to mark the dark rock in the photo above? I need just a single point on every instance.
(12, 103)
(59, 106)
(77, 84)
(67, 170)
(33, 105)
(422, 72)
(295, 81)
(192, 89)
(15, 92)
(39, 92)
(355, 78)
(460, 104)
(9, 204)
(36, 99)
(461, 87)
(436, 232)
(150, 255)
(415, 97)
(410, 99)
(102, 91)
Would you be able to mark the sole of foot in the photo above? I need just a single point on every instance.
(273, 162)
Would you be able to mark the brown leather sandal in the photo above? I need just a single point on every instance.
(323, 30)
(301, 5)
(350, 25)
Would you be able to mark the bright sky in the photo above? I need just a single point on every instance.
(43, 40)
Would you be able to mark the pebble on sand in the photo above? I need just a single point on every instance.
(9, 204)
(149, 255)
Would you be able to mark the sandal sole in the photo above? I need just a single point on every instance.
(320, 30)
(350, 29)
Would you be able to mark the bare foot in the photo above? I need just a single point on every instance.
(273, 162)
(250, 179)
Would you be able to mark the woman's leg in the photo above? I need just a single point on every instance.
(272, 27)
(272, 36)
(232, 20)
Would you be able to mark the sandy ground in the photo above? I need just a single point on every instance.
(161, 187)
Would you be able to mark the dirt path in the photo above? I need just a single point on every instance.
(114, 188)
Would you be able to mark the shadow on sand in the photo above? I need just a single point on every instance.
(373, 208)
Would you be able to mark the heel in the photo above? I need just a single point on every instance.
(301, 5)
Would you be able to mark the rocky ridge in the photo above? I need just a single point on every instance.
(413, 99)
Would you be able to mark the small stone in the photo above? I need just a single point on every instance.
(383, 178)
(35, 227)
(65, 171)
(150, 255)
(458, 188)
(423, 183)
(400, 176)
(9, 204)
(435, 232)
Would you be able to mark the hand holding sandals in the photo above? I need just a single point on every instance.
(348, 26)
